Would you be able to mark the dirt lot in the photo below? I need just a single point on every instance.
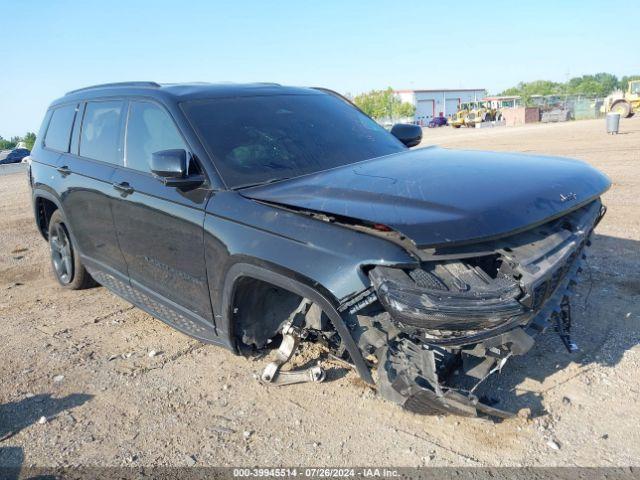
(81, 360)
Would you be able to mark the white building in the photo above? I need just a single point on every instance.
(435, 103)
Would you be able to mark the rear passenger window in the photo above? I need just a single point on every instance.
(100, 137)
(59, 131)
(149, 129)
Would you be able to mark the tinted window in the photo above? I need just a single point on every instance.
(257, 139)
(59, 131)
(100, 137)
(149, 129)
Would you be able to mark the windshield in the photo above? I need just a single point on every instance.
(261, 139)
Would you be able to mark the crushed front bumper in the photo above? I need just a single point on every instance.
(475, 319)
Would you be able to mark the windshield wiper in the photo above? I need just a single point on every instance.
(257, 184)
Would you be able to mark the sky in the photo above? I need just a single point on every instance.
(50, 47)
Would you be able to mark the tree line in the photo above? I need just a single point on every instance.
(598, 85)
(385, 104)
(29, 139)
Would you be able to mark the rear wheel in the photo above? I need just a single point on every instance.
(623, 108)
(65, 262)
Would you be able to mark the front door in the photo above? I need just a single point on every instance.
(160, 228)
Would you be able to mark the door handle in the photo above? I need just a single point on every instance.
(64, 170)
(124, 188)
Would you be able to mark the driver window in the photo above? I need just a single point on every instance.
(149, 129)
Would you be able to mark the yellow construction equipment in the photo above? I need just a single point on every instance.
(472, 113)
(624, 103)
(458, 118)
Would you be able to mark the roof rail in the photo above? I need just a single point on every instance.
(116, 84)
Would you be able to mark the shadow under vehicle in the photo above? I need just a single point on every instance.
(259, 216)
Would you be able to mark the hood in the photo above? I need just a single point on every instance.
(435, 196)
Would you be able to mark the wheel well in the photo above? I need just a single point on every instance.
(322, 300)
(259, 311)
(44, 210)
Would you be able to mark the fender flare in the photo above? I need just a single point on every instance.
(240, 270)
(39, 193)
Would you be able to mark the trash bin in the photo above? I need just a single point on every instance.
(613, 122)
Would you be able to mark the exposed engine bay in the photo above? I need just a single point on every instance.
(435, 332)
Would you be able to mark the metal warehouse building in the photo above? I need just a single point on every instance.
(434, 103)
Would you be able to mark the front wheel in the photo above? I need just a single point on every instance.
(65, 262)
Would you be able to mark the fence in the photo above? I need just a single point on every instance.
(578, 106)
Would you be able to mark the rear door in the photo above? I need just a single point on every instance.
(86, 170)
(160, 228)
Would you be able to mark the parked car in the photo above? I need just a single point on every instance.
(15, 156)
(255, 216)
(437, 122)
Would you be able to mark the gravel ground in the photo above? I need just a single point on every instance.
(79, 386)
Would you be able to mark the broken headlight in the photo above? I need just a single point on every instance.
(449, 298)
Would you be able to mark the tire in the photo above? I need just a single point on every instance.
(65, 262)
(623, 108)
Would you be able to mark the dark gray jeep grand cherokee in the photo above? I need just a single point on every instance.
(257, 216)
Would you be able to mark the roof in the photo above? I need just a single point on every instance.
(442, 90)
(184, 91)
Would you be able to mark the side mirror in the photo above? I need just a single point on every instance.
(407, 133)
(170, 166)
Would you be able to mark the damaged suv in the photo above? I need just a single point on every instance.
(258, 216)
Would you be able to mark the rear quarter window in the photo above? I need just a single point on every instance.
(59, 131)
(100, 137)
